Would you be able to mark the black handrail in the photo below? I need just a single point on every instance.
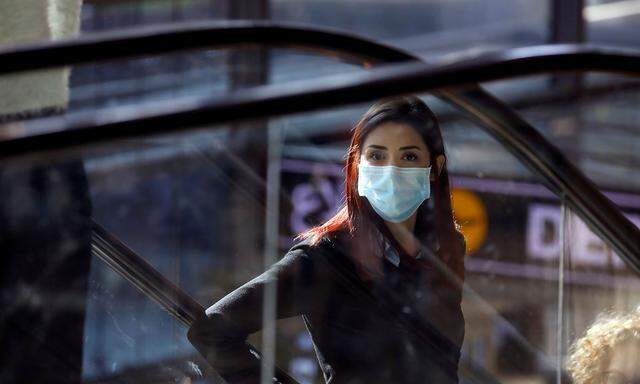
(143, 275)
(562, 177)
(165, 38)
(330, 91)
(153, 284)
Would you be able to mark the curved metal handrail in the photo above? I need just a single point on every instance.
(505, 125)
(153, 284)
(165, 38)
(329, 91)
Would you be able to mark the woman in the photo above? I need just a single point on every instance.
(379, 284)
(608, 352)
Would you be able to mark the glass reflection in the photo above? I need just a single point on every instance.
(378, 285)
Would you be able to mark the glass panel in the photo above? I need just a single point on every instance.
(601, 305)
(52, 91)
(89, 88)
(129, 338)
(150, 79)
(143, 84)
(440, 29)
(214, 207)
(591, 118)
(510, 333)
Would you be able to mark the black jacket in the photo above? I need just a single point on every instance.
(402, 328)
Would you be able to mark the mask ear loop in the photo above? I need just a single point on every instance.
(432, 162)
(433, 241)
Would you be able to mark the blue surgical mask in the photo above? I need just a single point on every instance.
(395, 193)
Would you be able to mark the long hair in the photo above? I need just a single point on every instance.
(356, 216)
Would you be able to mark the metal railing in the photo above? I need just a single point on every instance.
(528, 145)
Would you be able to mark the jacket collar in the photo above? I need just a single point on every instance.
(390, 253)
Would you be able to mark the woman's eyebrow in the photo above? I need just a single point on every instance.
(410, 147)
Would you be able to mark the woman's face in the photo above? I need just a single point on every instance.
(397, 144)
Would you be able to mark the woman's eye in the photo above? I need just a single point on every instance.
(411, 156)
(375, 156)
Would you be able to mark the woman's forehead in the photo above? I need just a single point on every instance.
(394, 135)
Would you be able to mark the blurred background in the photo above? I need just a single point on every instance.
(195, 205)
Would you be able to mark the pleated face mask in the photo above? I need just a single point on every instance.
(395, 193)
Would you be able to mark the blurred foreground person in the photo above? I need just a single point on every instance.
(45, 210)
(609, 351)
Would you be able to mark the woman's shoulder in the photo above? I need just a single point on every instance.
(328, 257)
(329, 247)
(308, 247)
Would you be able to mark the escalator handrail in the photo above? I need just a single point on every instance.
(329, 91)
(113, 252)
(182, 36)
(525, 142)
(561, 177)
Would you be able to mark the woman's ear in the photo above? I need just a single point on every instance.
(439, 165)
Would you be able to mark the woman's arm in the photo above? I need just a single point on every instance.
(221, 336)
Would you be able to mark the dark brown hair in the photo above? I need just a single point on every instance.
(356, 216)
